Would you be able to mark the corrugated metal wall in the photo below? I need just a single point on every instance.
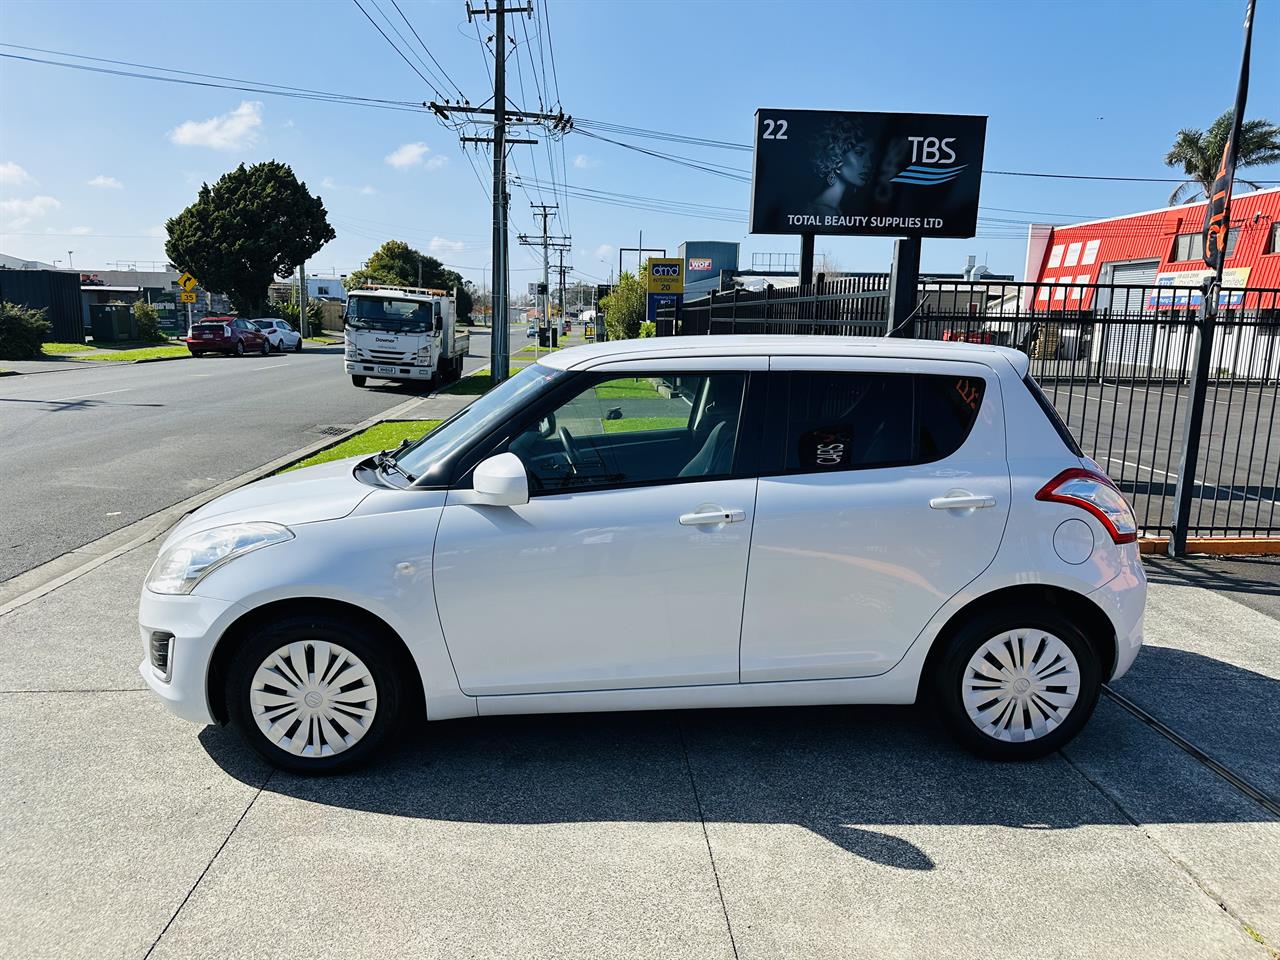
(55, 291)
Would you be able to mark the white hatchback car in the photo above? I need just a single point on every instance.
(280, 334)
(669, 523)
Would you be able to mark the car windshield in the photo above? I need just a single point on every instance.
(265, 324)
(385, 313)
(500, 403)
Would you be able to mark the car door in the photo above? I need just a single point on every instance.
(623, 570)
(288, 336)
(890, 494)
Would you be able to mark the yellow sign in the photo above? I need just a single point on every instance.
(187, 297)
(666, 276)
(188, 283)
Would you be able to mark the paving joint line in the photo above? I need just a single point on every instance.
(208, 866)
(1248, 929)
(1243, 786)
(706, 837)
(81, 690)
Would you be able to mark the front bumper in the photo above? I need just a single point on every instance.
(196, 624)
(362, 368)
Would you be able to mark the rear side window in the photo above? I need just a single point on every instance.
(859, 421)
(1051, 412)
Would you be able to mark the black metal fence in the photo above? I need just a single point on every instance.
(1116, 361)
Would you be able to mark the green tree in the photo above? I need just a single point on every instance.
(255, 224)
(148, 322)
(1199, 153)
(398, 264)
(22, 331)
(624, 309)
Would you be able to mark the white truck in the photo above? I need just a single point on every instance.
(403, 333)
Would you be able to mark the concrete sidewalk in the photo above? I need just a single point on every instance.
(829, 832)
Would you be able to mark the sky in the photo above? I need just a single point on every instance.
(91, 165)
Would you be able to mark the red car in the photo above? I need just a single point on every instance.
(227, 335)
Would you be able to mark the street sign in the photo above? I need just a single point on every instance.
(665, 276)
(185, 297)
(866, 174)
(188, 283)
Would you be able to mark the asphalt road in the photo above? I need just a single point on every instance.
(92, 449)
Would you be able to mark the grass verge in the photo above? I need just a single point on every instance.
(381, 436)
(632, 424)
(142, 353)
(52, 348)
(474, 384)
(628, 389)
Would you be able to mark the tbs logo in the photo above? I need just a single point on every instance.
(931, 160)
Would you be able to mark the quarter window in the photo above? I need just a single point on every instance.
(636, 430)
(859, 421)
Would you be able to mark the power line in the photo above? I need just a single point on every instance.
(398, 50)
(444, 73)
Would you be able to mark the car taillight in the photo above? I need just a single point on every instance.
(1094, 491)
(226, 330)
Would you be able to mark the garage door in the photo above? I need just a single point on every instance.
(1130, 336)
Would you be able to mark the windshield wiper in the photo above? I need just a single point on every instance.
(384, 461)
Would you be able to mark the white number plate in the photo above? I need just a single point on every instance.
(386, 369)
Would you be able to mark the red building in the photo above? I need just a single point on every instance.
(1156, 248)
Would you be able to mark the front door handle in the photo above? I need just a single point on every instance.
(961, 502)
(712, 516)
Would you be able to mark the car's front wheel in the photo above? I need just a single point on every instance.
(297, 347)
(1018, 683)
(358, 380)
(314, 695)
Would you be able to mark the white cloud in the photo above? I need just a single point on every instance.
(605, 252)
(408, 155)
(22, 212)
(107, 183)
(367, 191)
(80, 231)
(12, 175)
(441, 245)
(582, 161)
(436, 162)
(329, 183)
(158, 232)
(231, 131)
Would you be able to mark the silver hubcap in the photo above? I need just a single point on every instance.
(1021, 685)
(313, 699)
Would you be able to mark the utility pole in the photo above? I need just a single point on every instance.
(501, 114)
(563, 268)
(302, 300)
(545, 211)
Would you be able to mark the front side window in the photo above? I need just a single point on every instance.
(860, 421)
(635, 430)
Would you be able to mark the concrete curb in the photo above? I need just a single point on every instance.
(1216, 546)
(47, 577)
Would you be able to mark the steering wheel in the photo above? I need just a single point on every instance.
(571, 453)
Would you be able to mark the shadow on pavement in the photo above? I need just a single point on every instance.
(841, 772)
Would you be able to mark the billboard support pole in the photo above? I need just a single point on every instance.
(904, 281)
(806, 259)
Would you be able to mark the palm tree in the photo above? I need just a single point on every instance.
(1199, 152)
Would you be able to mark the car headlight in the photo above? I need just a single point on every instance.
(351, 353)
(188, 561)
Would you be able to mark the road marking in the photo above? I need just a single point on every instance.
(271, 366)
(1138, 466)
(1088, 396)
(85, 396)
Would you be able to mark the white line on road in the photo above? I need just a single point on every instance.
(85, 396)
(1089, 396)
(270, 366)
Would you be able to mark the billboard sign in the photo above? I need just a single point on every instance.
(866, 174)
(665, 275)
(699, 264)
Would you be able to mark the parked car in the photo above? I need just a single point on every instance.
(280, 334)
(746, 520)
(531, 330)
(227, 335)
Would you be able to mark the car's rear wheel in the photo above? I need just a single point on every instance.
(1017, 683)
(314, 695)
(297, 347)
(358, 381)
(239, 348)
(265, 349)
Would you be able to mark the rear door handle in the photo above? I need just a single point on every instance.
(717, 516)
(962, 502)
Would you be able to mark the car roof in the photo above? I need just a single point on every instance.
(757, 345)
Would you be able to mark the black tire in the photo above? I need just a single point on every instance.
(239, 348)
(266, 348)
(949, 674)
(297, 347)
(372, 648)
(358, 380)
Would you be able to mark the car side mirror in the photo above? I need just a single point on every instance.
(439, 324)
(501, 481)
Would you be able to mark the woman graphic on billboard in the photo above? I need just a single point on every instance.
(842, 159)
